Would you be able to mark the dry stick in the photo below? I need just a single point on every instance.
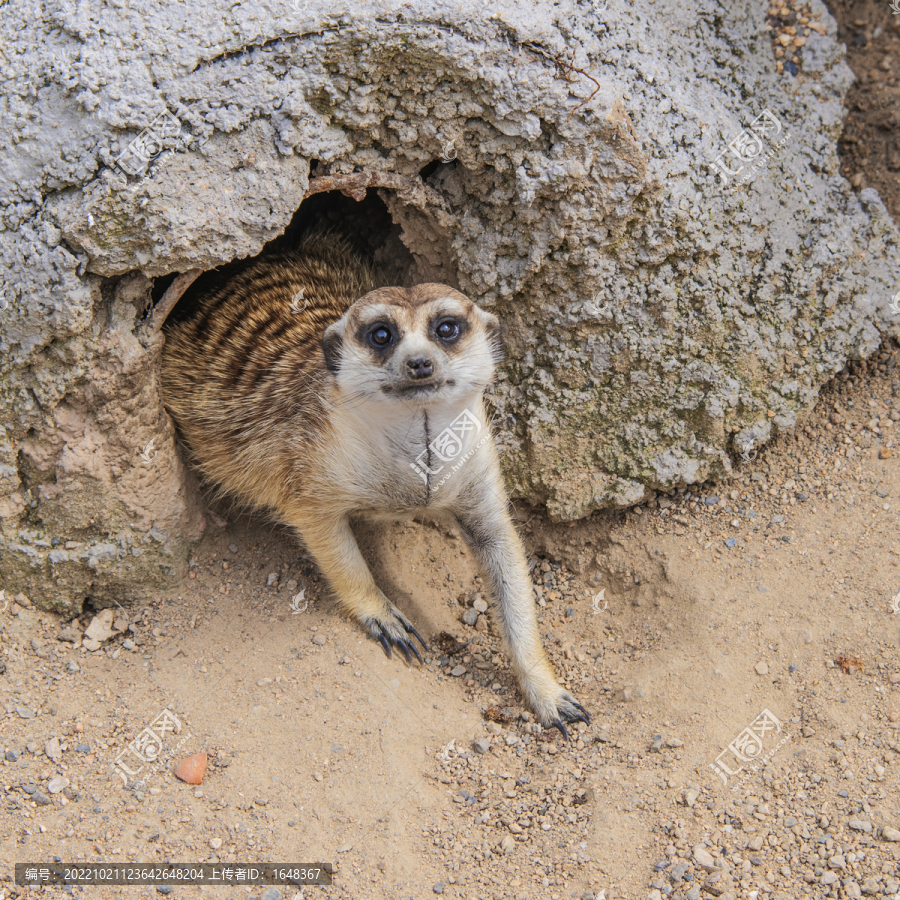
(174, 293)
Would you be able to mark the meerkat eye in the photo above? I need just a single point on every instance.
(448, 330)
(380, 335)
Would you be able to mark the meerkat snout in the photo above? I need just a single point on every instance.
(420, 368)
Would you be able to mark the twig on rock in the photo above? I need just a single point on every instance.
(561, 68)
(172, 295)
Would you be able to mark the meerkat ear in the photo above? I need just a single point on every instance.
(494, 332)
(332, 343)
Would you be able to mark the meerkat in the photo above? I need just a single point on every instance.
(301, 387)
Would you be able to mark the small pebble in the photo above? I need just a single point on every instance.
(762, 668)
(190, 770)
(55, 785)
(320, 639)
(439, 888)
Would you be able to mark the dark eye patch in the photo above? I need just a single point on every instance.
(448, 329)
(380, 335)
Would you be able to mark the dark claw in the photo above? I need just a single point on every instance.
(384, 643)
(584, 717)
(402, 646)
(412, 647)
(558, 723)
(415, 633)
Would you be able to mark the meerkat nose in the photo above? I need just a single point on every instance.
(420, 368)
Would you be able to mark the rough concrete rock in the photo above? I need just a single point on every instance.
(658, 320)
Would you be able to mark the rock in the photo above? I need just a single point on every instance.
(22, 600)
(73, 667)
(190, 770)
(633, 238)
(91, 644)
(12, 756)
(215, 843)
(852, 891)
(830, 877)
(82, 748)
(704, 858)
(271, 893)
(507, 845)
(128, 644)
(762, 668)
(480, 605)
(481, 745)
(871, 886)
(320, 639)
(57, 784)
(895, 678)
(69, 634)
(23, 712)
(470, 617)
(102, 627)
(52, 750)
(458, 671)
(41, 799)
(439, 888)
(690, 796)
(674, 742)
(272, 579)
(890, 834)
(860, 825)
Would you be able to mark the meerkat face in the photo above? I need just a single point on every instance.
(421, 345)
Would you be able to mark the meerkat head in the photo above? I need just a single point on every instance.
(427, 344)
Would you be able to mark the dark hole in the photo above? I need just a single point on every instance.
(430, 169)
(367, 224)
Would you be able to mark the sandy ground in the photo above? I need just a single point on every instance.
(776, 596)
(740, 657)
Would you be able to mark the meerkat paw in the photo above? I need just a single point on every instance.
(392, 629)
(561, 709)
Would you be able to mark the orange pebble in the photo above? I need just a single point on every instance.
(190, 770)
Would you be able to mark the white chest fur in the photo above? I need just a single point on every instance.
(404, 457)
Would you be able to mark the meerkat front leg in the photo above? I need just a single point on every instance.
(484, 520)
(332, 544)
